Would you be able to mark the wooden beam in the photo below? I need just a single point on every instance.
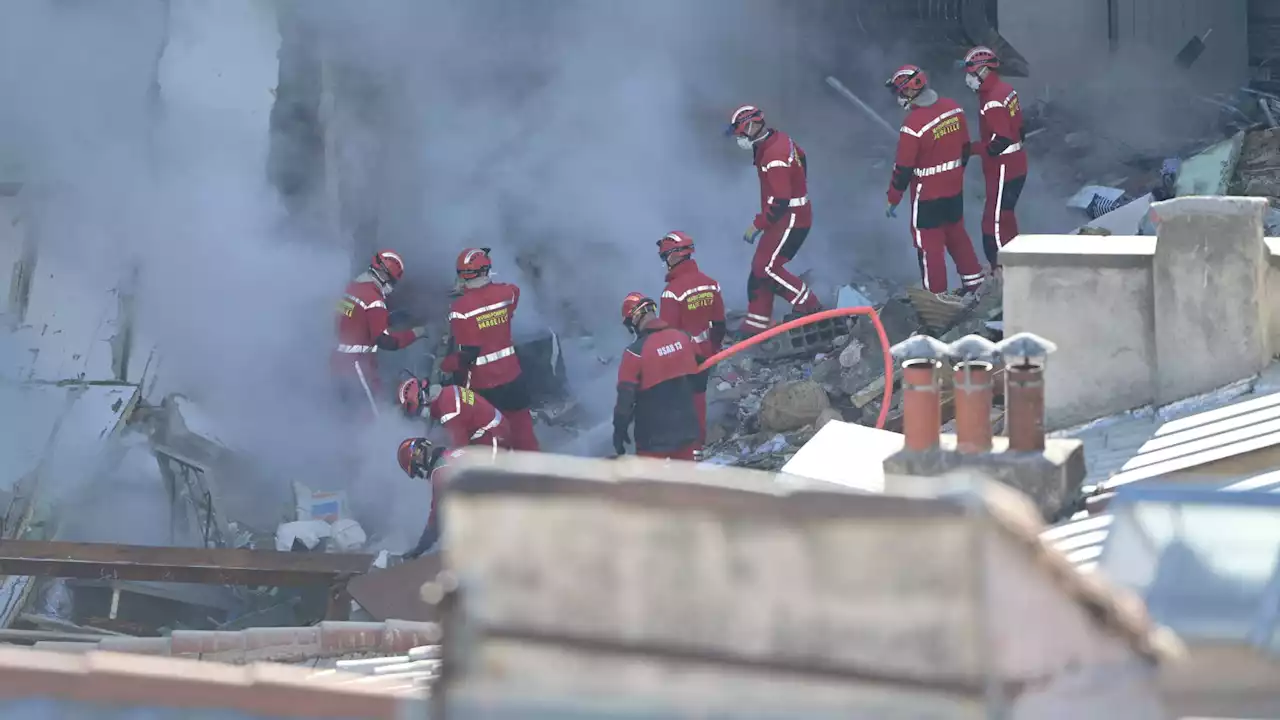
(101, 561)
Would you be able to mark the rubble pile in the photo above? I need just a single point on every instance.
(762, 408)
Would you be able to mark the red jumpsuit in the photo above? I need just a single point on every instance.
(657, 381)
(485, 361)
(785, 217)
(692, 302)
(933, 148)
(469, 418)
(362, 331)
(1004, 162)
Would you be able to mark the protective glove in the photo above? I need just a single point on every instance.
(890, 210)
(620, 440)
(752, 234)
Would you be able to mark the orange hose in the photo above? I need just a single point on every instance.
(823, 315)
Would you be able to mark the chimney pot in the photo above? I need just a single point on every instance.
(920, 356)
(1024, 356)
(974, 362)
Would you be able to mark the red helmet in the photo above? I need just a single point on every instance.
(414, 456)
(980, 57)
(742, 117)
(389, 265)
(474, 262)
(677, 243)
(634, 306)
(907, 81)
(410, 395)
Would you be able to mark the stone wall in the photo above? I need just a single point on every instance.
(1142, 320)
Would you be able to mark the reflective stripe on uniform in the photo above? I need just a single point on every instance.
(457, 407)
(356, 349)
(690, 291)
(1012, 149)
(703, 336)
(992, 104)
(929, 125)
(497, 355)
(366, 306)
(497, 420)
(480, 311)
(756, 321)
(944, 167)
(775, 164)
(798, 202)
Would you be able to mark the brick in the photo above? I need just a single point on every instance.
(281, 644)
(337, 638)
(207, 644)
(404, 635)
(286, 691)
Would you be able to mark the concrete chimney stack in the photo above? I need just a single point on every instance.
(973, 363)
(1024, 357)
(920, 356)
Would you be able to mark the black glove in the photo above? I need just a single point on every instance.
(620, 439)
(430, 535)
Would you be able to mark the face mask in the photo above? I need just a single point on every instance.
(743, 142)
(972, 81)
(904, 102)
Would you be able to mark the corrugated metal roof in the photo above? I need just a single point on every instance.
(1152, 441)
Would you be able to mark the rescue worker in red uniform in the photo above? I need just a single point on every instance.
(363, 330)
(468, 417)
(933, 149)
(485, 359)
(782, 224)
(657, 381)
(420, 459)
(692, 302)
(1004, 161)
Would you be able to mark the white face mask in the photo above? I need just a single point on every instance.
(972, 81)
(744, 142)
(904, 102)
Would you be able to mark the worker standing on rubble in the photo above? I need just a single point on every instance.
(657, 381)
(419, 458)
(363, 329)
(933, 149)
(692, 302)
(485, 357)
(468, 417)
(1004, 161)
(782, 224)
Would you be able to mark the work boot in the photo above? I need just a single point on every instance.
(956, 298)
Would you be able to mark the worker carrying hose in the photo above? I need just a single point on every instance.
(933, 149)
(419, 458)
(692, 302)
(463, 413)
(782, 224)
(657, 381)
(485, 357)
(1000, 136)
(363, 330)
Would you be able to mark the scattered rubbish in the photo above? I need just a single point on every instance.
(329, 507)
(1191, 52)
(1210, 172)
(1092, 195)
(347, 535)
(301, 535)
(849, 296)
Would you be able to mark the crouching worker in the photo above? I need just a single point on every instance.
(420, 459)
(657, 382)
(465, 414)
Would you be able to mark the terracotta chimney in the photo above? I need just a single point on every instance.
(973, 361)
(1024, 356)
(920, 356)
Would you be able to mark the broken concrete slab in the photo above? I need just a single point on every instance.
(1211, 171)
(792, 405)
(846, 454)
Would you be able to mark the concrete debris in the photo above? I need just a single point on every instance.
(1211, 171)
(792, 405)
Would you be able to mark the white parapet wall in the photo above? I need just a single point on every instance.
(1141, 320)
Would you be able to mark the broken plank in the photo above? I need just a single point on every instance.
(102, 561)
